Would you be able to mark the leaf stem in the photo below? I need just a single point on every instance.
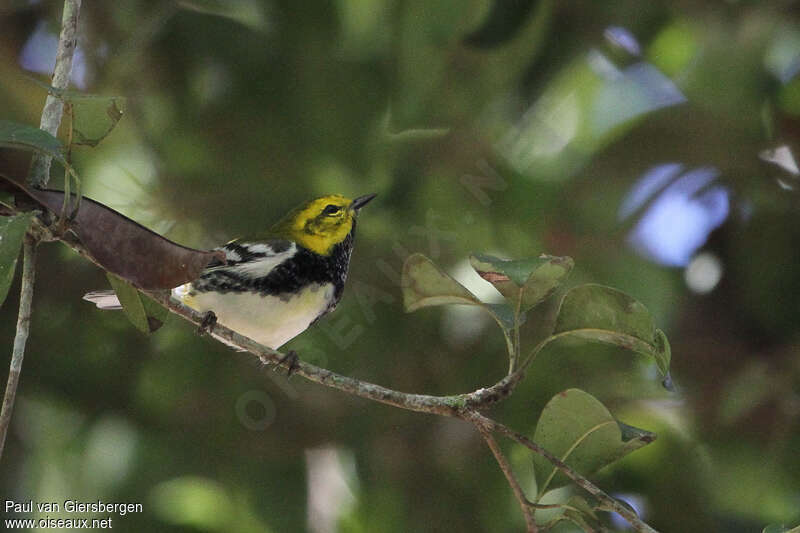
(54, 107)
(21, 337)
(514, 359)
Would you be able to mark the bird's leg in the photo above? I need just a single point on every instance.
(208, 323)
(291, 360)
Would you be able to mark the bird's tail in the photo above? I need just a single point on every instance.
(103, 299)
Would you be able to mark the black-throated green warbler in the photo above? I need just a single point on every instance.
(271, 288)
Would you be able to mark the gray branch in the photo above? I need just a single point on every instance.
(21, 337)
(53, 106)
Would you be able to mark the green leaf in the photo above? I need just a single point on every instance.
(509, 274)
(599, 313)
(597, 307)
(12, 232)
(425, 285)
(93, 116)
(578, 429)
(143, 312)
(528, 281)
(633, 438)
(545, 279)
(156, 313)
(504, 315)
(94, 119)
(24, 137)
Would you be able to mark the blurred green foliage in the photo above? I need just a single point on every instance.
(514, 128)
(12, 233)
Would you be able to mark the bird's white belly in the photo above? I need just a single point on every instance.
(268, 320)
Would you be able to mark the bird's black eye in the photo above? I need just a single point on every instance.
(331, 209)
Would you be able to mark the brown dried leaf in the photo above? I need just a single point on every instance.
(126, 248)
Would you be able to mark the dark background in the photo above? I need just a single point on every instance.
(627, 135)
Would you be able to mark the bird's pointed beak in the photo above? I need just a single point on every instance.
(361, 201)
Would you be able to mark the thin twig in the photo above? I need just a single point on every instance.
(53, 106)
(514, 362)
(585, 484)
(21, 337)
(530, 522)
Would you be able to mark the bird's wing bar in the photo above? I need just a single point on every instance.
(254, 259)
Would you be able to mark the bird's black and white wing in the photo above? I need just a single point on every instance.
(245, 262)
(264, 291)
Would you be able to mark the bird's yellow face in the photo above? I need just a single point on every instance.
(323, 222)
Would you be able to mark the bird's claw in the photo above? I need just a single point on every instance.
(208, 323)
(291, 359)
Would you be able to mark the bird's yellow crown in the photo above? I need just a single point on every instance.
(320, 224)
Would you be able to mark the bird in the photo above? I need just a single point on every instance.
(272, 287)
